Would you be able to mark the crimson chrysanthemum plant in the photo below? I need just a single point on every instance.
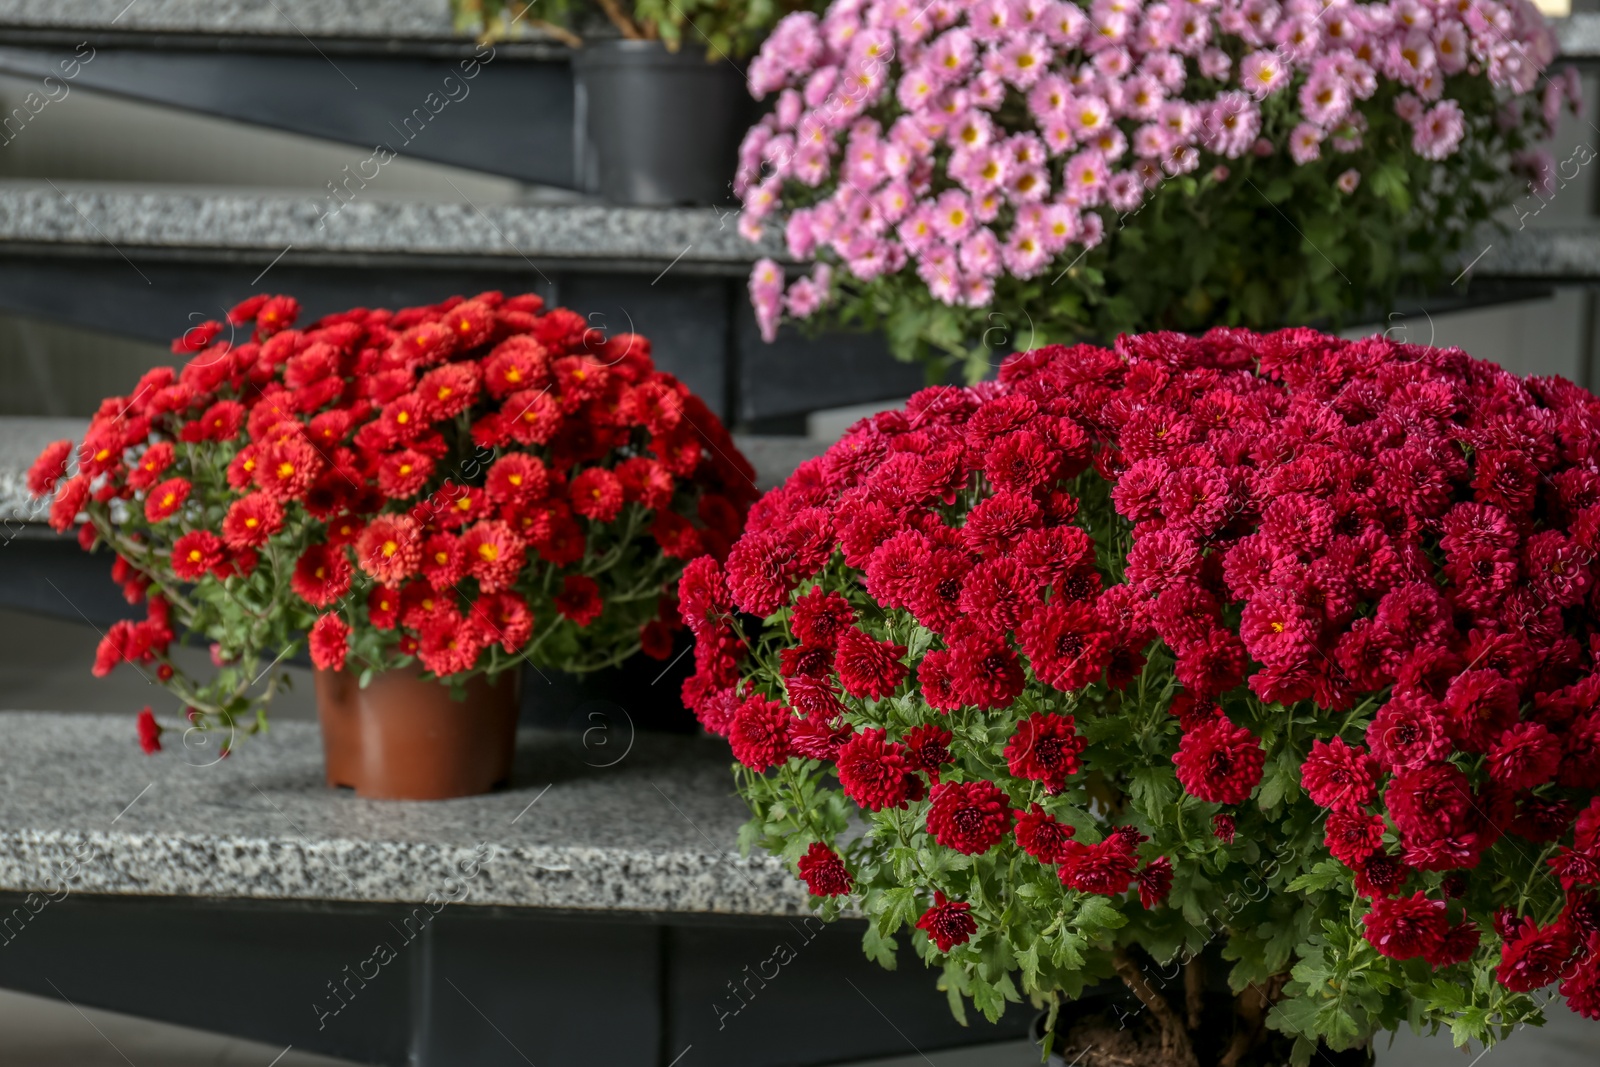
(1279, 641)
(471, 485)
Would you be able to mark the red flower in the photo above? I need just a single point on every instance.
(444, 561)
(195, 554)
(164, 500)
(1380, 875)
(49, 468)
(1066, 645)
(515, 364)
(1534, 957)
(149, 733)
(1403, 928)
(70, 500)
(1106, 868)
(449, 646)
(402, 474)
(999, 521)
(1479, 707)
(275, 313)
(1155, 882)
(1043, 836)
(1407, 732)
(383, 607)
(449, 390)
(321, 576)
(251, 521)
(1045, 749)
(1338, 776)
(495, 557)
(970, 817)
(1353, 836)
(152, 465)
(1525, 756)
(1431, 803)
(824, 872)
(938, 687)
(330, 642)
(579, 599)
(875, 773)
(655, 639)
(389, 549)
(285, 469)
(928, 749)
(517, 478)
(759, 733)
(531, 418)
(1219, 762)
(596, 494)
(819, 618)
(949, 923)
(868, 668)
(984, 672)
(1222, 827)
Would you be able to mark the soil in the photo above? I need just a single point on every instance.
(1109, 1038)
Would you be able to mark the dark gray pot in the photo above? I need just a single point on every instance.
(657, 128)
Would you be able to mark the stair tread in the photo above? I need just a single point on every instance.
(235, 18)
(104, 214)
(266, 826)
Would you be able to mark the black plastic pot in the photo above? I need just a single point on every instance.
(657, 128)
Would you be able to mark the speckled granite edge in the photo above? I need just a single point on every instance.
(278, 224)
(289, 18)
(21, 440)
(289, 868)
(1578, 35)
(1567, 254)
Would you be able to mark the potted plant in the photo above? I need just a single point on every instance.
(983, 175)
(1278, 644)
(426, 499)
(660, 99)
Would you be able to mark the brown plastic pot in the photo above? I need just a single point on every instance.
(403, 738)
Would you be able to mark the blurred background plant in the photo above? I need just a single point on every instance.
(724, 28)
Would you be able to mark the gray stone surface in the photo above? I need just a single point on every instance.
(21, 440)
(1567, 254)
(775, 458)
(126, 220)
(639, 823)
(1579, 35)
(284, 18)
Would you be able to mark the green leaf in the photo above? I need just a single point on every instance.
(879, 948)
(899, 909)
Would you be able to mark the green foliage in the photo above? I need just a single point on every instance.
(723, 29)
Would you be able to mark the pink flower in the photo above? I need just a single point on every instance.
(1232, 125)
(1305, 143)
(1348, 181)
(1085, 178)
(1262, 74)
(766, 294)
(1439, 132)
(952, 216)
(1324, 98)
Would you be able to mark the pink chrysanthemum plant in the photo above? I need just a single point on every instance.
(1278, 644)
(1008, 169)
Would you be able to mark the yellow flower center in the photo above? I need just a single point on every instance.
(390, 548)
(488, 553)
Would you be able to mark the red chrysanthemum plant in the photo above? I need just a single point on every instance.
(1281, 644)
(471, 485)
